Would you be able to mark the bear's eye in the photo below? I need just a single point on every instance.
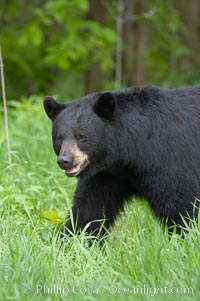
(60, 138)
(80, 137)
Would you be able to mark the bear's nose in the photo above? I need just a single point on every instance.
(65, 162)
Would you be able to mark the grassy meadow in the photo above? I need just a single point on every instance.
(137, 261)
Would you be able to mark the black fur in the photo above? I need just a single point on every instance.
(52, 108)
(105, 106)
(140, 141)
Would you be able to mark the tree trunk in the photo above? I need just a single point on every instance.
(129, 38)
(135, 35)
(189, 12)
(119, 28)
(93, 75)
(142, 49)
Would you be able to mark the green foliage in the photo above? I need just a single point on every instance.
(44, 38)
(167, 49)
(35, 196)
(48, 46)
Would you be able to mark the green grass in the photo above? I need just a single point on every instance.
(136, 262)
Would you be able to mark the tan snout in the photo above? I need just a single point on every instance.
(70, 155)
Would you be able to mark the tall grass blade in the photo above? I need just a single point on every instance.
(5, 108)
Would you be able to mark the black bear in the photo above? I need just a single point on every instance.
(138, 141)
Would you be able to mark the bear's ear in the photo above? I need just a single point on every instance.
(105, 106)
(52, 107)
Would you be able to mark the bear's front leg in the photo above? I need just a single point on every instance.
(96, 203)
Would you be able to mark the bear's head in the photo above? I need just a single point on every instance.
(82, 133)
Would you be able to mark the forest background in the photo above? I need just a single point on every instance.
(75, 47)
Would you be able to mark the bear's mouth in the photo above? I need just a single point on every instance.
(77, 169)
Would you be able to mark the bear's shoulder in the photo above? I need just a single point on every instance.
(154, 94)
